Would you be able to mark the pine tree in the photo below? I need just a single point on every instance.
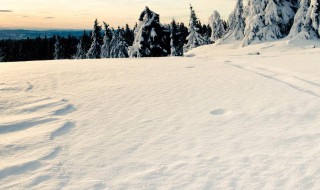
(148, 40)
(119, 44)
(287, 11)
(129, 35)
(106, 47)
(81, 53)
(271, 21)
(82, 46)
(174, 39)
(95, 50)
(314, 15)
(309, 23)
(194, 39)
(217, 27)
(267, 20)
(57, 54)
(236, 23)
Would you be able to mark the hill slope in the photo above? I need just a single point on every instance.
(220, 118)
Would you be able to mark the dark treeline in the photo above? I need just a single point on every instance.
(106, 42)
(36, 49)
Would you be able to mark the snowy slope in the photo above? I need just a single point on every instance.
(220, 118)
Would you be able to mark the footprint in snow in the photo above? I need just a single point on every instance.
(218, 112)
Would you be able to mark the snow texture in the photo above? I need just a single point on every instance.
(220, 118)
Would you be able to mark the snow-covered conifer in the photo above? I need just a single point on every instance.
(95, 50)
(106, 47)
(174, 39)
(119, 45)
(81, 53)
(122, 50)
(57, 54)
(129, 35)
(82, 46)
(148, 36)
(194, 39)
(236, 23)
(314, 15)
(307, 20)
(267, 20)
(217, 28)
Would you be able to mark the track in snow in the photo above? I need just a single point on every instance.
(292, 81)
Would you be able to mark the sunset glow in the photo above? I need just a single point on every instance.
(79, 14)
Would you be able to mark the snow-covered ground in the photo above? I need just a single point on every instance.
(220, 118)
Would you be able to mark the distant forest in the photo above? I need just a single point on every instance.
(256, 22)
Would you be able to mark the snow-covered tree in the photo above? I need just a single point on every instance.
(217, 28)
(119, 45)
(129, 35)
(236, 23)
(271, 21)
(287, 11)
(82, 46)
(81, 53)
(106, 47)
(57, 54)
(306, 23)
(174, 39)
(267, 20)
(194, 39)
(95, 50)
(148, 36)
(313, 16)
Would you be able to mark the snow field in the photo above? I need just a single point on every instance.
(220, 118)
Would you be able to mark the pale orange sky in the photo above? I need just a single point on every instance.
(80, 14)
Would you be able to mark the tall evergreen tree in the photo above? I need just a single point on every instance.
(129, 35)
(95, 50)
(217, 28)
(119, 45)
(236, 23)
(82, 46)
(267, 20)
(106, 47)
(183, 31)
(148, 36)
(174, 39)
(81, 53)
(194, 39)
(57, 49)
(306, 23)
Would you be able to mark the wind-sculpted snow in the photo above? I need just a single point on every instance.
(29, 125)
(220, 118)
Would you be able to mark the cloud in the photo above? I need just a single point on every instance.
(6, 11)
(49, 17)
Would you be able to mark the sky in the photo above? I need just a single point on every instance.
(80, 14)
